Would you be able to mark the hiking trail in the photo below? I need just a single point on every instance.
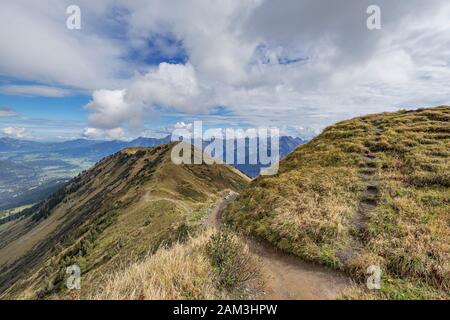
(287, 276)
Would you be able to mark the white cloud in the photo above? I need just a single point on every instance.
(112, 134)
(182, 125)
(110, 110)
(34, 90)
(210, 31)
(170, 85)
(37, 46)
(16, 132)
(320, 64)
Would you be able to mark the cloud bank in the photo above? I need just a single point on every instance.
(292, 63)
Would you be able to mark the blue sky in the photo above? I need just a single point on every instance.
(141, 67)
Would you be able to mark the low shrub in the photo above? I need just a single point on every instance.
(231, 259)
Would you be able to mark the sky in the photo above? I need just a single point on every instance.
(142, 68)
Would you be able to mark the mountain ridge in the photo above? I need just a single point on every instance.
(100, 217)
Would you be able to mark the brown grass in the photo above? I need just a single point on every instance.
(183, 271)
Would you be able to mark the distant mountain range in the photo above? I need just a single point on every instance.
(94, 150)
(32, 170)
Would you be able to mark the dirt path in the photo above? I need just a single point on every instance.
(287, 276)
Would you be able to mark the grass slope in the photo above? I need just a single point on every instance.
(373, 190)
(211, 265)
(117, 213)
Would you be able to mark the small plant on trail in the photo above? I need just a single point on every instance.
(231, 260)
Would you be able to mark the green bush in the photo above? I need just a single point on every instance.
(231, 260)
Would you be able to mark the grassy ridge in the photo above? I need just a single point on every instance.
(371, 190)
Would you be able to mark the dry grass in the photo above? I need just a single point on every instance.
(183, 271)
(301, 212)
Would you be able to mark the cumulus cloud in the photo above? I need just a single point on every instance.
(110, 110)
(16, 132)
(209, 30)
(7, 112)
(308, 62)
(169, 85)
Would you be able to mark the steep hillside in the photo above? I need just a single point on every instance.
(121, 210)
(212, 265)
(373, 190)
